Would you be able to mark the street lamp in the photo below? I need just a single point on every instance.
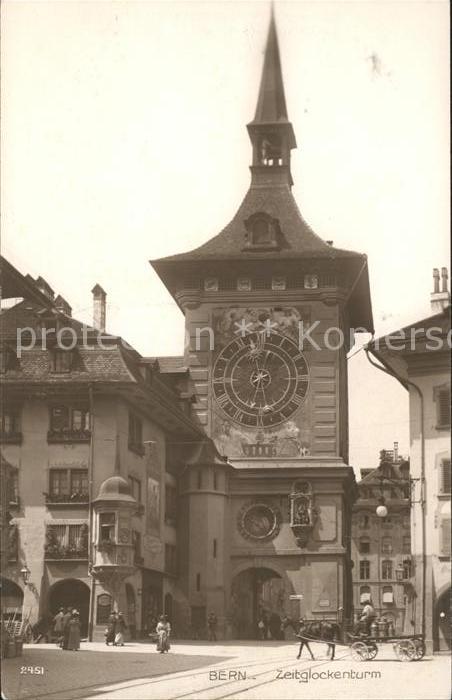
(399, 574)
(25, 573)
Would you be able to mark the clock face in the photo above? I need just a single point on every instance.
(260, 381)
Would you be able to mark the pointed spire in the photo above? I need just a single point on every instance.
(271, 103)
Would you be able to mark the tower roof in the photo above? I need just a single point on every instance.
(271, 103)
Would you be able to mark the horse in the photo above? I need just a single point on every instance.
(321, 631)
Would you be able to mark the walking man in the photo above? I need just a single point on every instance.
(212, 626)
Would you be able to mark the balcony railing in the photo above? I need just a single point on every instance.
(68, 435)
(58, 553)
(67, 499)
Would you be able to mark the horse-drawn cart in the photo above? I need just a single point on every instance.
(406, 647)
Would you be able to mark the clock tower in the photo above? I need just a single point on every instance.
(269, 309)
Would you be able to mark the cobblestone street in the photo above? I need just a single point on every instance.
(224, 670)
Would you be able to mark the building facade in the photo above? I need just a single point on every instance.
(275, 405)
(88, 429)
(419, 357)
(381, 546)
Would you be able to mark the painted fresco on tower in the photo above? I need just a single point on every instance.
(260, 382)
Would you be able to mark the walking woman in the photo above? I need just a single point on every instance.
(110, 631)
(163, 630)
(73, 642)
(120, 628)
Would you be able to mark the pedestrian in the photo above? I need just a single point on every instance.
(73, 626)
(120, 628)
(65, 623)
(58, 626)
(110, 631)
(163, 630)
(212, 627)
(275, 626)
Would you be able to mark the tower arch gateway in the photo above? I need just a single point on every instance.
(274, 411)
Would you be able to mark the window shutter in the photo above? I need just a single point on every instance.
(444, 486)
(443, 407)
(445, 537)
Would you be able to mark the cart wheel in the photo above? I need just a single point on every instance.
(372, 650)
(405, 650)
(420, 649)
(359, 651)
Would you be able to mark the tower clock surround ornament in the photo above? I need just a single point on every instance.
(260, 380)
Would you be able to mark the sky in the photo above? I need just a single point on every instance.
(124, 140)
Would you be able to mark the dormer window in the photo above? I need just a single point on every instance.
(262, 232)
(8, 359)
(62, 360)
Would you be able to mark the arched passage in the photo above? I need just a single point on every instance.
(442, 622)
(257, 594)
(74, 594)
(12, 598)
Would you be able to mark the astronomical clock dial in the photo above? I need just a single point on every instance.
(259, 521)
(260, 381)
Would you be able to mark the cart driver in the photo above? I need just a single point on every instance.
(368, 615)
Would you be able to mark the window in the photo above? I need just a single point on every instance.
(407, 568)
(364, 545)
(388, 595)
(170, 505)
(107, 523)
(171, 559)
(135, 488)
(13, 543)
(386, 545)
(406, 522)
(445, 550)
(214, 549)
(406, 544)
(441, 396)
(198, 582)
(215, 481)
(66, 541)
(386, 569)
(69, 424)
(261, 231)
(10, 425)
(387, 521)
(199, 479)
(364, 569)
(444, 476)
(13, 487)
(364, 521)
(136, 542)
(364, 594)
(136, 434)
(62, 360)
(68, 486)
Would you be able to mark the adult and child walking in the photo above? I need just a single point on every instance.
(66, 626)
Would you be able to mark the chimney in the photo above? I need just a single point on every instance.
(44, 287)
(62, 306)
(440, 298)
(99, 307)
(396, 452)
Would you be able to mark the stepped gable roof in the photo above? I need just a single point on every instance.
(297, 237)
